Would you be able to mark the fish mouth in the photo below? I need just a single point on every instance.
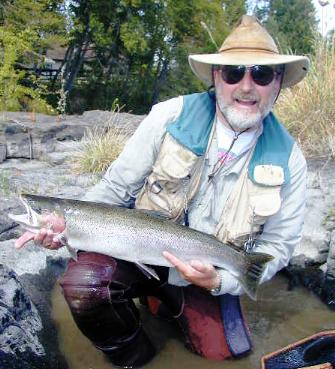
(30, 220)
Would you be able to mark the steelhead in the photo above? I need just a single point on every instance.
(139, 237)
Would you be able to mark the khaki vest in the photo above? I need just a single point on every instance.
(175, 179)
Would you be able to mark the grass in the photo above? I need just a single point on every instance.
(308, 109)
(4, 184)
(101, 146)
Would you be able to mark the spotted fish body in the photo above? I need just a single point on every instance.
(140, 237)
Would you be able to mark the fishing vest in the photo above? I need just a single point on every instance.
(176, 173)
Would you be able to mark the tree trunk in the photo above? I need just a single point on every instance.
(74, 65)
(160, 81)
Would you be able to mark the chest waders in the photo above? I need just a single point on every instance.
(100, 291)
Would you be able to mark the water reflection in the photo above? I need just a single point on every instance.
(278, 318)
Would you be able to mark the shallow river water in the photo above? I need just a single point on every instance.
(278, 318)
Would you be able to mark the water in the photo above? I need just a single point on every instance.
(278, 318)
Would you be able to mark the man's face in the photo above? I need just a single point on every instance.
(244, 104)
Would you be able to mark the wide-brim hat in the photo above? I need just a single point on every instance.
(250, 44)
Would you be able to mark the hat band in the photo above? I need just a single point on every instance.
(248, 49)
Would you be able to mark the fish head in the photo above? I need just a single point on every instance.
(34, 219)
(31, 220)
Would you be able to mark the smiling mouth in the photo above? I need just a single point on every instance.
(246, 102)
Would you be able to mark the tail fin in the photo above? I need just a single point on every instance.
(255, 266)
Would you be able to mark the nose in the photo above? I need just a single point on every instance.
(247, 83)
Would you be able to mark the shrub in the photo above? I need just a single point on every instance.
(101, 146)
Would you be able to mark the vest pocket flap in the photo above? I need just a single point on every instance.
(269, 175)
(265, 201)
(175, 161)
(176, 167)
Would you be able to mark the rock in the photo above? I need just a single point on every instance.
(20, 322)
(313, 262)
(3, 151)
(25, 307)
(330, 272)
(314, 246)
(22, 138)
(19, 145)
(8, 228)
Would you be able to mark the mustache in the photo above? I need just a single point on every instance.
(251, 96)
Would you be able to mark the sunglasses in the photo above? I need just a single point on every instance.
(262, 75)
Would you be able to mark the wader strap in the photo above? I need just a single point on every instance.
(235, 328)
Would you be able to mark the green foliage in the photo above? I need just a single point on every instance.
(233, 10)
(44, 18)
(291, 23)
(141, 48)
(13, 89)
(27, 28)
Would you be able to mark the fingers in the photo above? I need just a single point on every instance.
(201, 267)
(182, 267)
(40, 236)
(47, 238)
(192, 266)
(26, 237)
(186, 270)
(199, 273)
(54, 221)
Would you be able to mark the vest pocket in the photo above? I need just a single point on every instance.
(168, 186)
(264, 202)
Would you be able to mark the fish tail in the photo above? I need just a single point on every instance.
(254, 270)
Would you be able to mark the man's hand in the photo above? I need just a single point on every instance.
(46, 237)
(198, 273)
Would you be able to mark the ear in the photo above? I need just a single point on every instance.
(215, 76)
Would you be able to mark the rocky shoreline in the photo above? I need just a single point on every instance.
(35, 156)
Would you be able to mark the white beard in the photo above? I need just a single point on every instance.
(242, 120)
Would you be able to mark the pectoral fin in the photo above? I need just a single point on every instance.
(149, 272)
(63, 240)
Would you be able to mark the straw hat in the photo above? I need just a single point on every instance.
(250, 44)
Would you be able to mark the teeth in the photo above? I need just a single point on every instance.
(246, 101)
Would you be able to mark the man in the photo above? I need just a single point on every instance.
(218, 162)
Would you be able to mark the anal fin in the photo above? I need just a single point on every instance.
(149, 272)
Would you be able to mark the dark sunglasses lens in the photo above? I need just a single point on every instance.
(232, 74)
(262, 74)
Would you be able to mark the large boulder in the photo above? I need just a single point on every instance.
(23, 138)
(21, 327)
(313, 262)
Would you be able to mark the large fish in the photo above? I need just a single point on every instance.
(139, 237)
